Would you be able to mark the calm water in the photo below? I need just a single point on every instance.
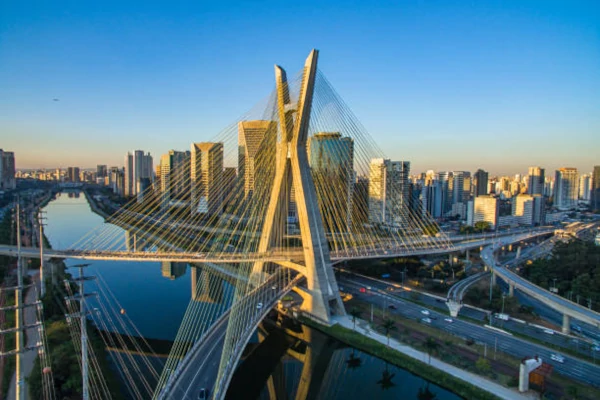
(157, 304)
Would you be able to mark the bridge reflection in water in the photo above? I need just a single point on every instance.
(297, 362)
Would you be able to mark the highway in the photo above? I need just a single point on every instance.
(552, 300)
(517, 326)
(574, 368)
(457, 291)
(200, 367)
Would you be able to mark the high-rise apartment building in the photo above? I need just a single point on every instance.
(138, 166)
(444, 178)
(257, 154)
(486, 208)
(174, 177)
(585, 182)
(595, 189)
(101, 171)
(128, 175)
(528, 209)
(457, 186)
(388, 192)
(536, 180)
(566, 188)
(207, 178)
(331, 160)
(7, 170)
(73, 174)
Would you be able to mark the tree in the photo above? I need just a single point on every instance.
(386, 379)
(425, 393)
(483, 366)
(353, 361)
(482, 226)
(572, 392)
(388, 325)
(355, 313)
(431, 345)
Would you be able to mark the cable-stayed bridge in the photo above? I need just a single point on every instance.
(292, 187)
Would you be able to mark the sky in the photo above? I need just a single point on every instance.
(446, 85)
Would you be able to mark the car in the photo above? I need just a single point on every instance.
(259, 305)
(449, 320)
(426, 320)
(596, 348)
(392, 306)
(549, 331)
(557, 358)
(363, 290)
(368, 287)
(203, 394)
(274, 288)
(424, 312)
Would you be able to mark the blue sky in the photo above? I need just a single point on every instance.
(446, 85)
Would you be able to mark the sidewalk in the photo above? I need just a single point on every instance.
(30, 317)
(476, 380)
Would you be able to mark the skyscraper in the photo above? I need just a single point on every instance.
(388, 192)
(138, 166)
(207, 178)
(446, 194)
(331, 159)
(73, 174)
(584, 187)
(257, 153)
(535, 184)
(595, 189)
(174, 177)
(129, 177)
(566, 188)
(7, 170)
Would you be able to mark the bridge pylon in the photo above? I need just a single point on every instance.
(321, 297)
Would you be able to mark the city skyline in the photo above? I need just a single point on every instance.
(520, 90)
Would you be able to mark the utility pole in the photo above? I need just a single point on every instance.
(84, 353)
(20, 326)
(41, 242)
(20, 345)
(82, 318)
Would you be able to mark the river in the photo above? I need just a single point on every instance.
(155, 298)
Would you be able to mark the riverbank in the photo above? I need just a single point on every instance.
(95, 208)
(440, 373)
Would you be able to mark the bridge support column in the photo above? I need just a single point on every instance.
(450, 259)
(525, 369)
(566, 326)
(511, 290)
(454, 308)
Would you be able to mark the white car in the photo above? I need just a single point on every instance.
(557, 358)
(426, 320)
(424, 312)
(549, 331)
(259, 305)
(449, 320)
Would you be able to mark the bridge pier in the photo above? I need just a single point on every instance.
(525, 369)
(511, 290)
(566, 326)
(454, 308)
